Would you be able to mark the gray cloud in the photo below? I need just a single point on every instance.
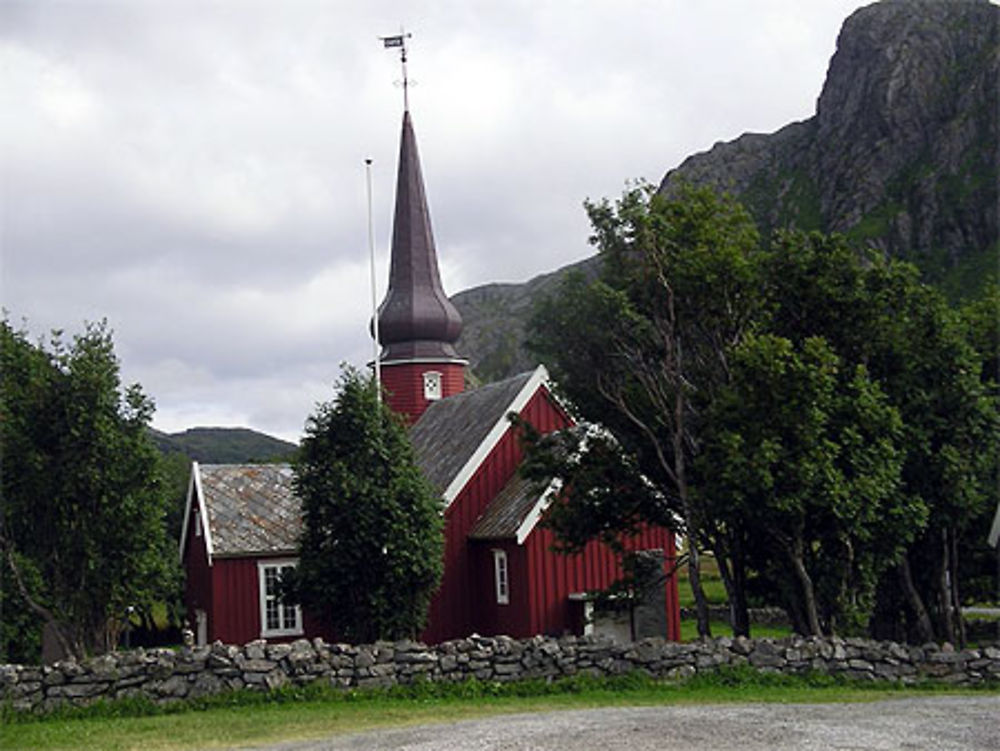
(193, 171)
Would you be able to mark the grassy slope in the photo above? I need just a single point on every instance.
(225, 445)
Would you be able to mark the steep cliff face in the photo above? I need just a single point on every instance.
(494, 318)
(902, 153)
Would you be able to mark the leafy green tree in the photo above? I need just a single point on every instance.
(648, 352)
(638, 348)
(81, 528)
(981, 569)
(922, 355)
(878, 313)
(802, 455)
(372, 543)
(617, 501)
(981, 319)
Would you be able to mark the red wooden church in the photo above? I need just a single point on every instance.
(500, 575)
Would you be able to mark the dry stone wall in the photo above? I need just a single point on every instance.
(165, 675)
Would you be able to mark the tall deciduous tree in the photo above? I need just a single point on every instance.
(802, 454)
(878, 313)
(926, 364)
(81, 527)
(637, 349)
(372, 544)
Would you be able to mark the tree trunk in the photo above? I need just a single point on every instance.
(925, 630)
(70, 647)
(998, 589)
(734, 579)
(808, 593)
(956, 600)
(738, 599)
(680, 475)
(947, 630)
(694, 578)
(793, 604)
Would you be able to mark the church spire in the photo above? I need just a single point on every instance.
(418, 325)
(416, 319)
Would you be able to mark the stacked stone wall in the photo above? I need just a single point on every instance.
(165, 675)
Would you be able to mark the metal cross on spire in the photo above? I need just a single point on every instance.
(399, 40)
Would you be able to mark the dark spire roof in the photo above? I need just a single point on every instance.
(416, 319)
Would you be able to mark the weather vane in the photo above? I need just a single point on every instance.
(399, 40)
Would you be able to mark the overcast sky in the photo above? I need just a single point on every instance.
(193, 171)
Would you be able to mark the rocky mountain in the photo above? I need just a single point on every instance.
(903, 154)
(494, 318)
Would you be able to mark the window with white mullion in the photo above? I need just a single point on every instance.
(277, 618)
(501, 577)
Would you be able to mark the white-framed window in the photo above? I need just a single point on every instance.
(277, 618)
(500, 577)
(432, 385)
(197, 523)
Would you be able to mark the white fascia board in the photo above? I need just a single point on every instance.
(539, 377)
(187, 512)
(196, 495)
(994, 537)
(206, 528)
(535, 515)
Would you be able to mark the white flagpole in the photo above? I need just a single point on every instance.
(371, 256)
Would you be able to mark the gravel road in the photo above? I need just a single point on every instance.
(938, 723)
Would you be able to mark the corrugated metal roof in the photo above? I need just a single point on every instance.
(449, 432)
(251, 508)
(505, 514)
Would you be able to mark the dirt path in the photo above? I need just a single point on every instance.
(938, 723)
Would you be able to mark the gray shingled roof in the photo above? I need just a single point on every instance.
(505, 514)
(251, 508)
(449, 432)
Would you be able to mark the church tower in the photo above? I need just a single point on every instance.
(418, 325)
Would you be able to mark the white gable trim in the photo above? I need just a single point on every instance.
(196, 494)
(535, 515)
(539, 377)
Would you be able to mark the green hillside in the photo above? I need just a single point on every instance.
(225, 445)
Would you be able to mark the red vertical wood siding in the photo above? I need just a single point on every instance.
(235, 616)
(488, 616)
(404, 385)
(540, 580)
(198, 580)
(595, 568)
(459, 597)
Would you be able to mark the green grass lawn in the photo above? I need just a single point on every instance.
(715, 593)
(711, 582)
(689, 630)
(259, 719)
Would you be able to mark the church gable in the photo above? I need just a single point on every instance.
(455, 437)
